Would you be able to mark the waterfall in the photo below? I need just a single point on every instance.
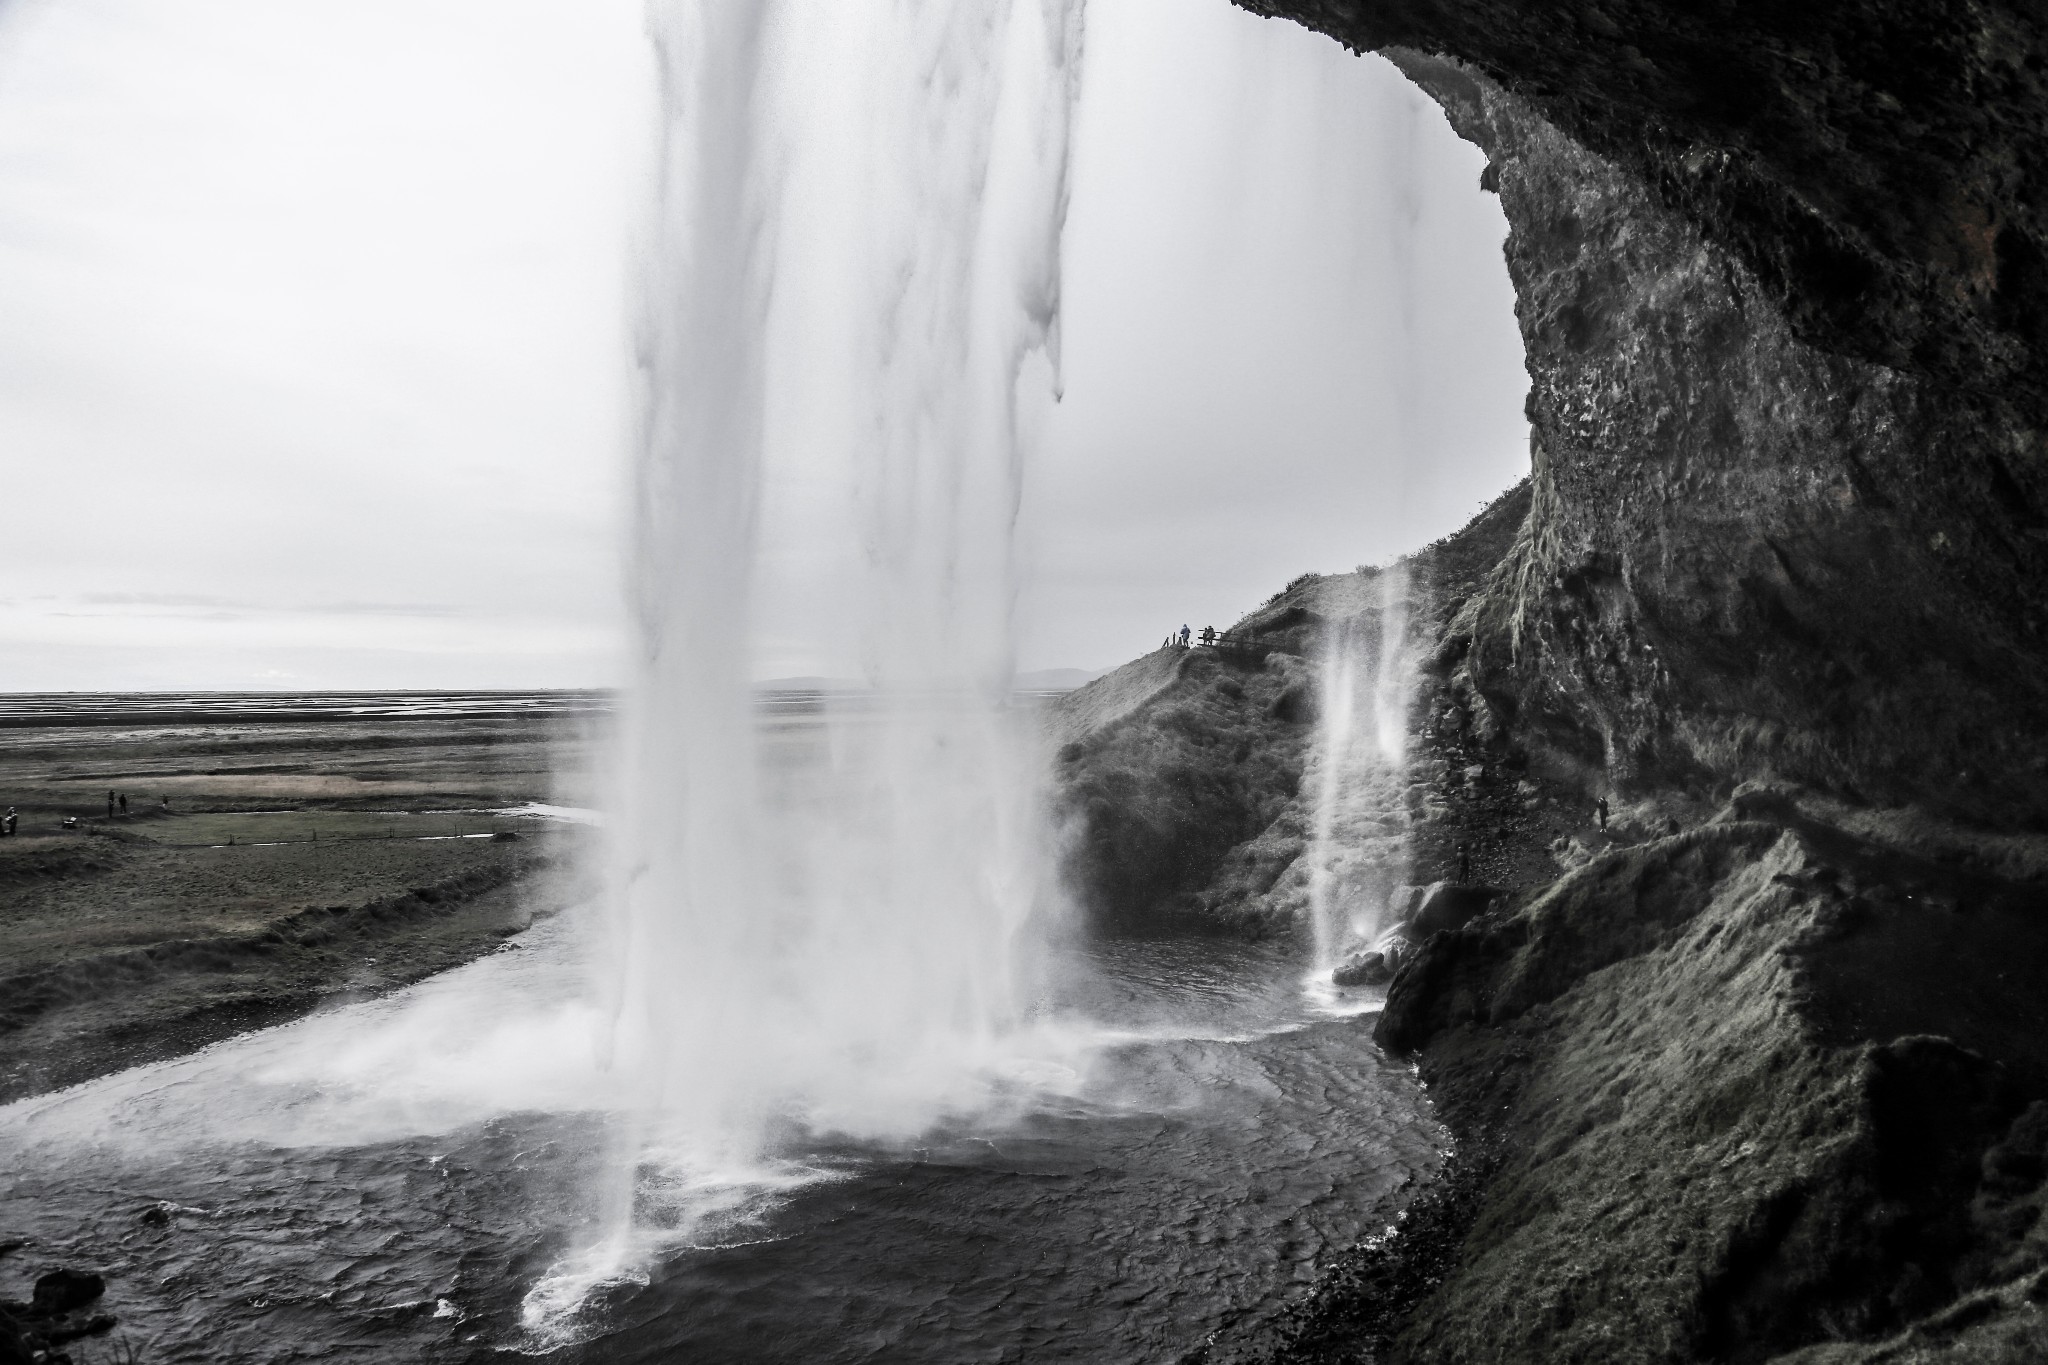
(852, 275)
(1359, 852)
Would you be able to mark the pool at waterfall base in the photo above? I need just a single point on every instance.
(413, 1177)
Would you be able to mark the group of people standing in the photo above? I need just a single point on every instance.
(1182, 637)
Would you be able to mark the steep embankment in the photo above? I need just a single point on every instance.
(1167, 766)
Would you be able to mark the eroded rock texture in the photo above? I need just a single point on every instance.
(1876, 165)
(1766, 1089)
(1791, 513)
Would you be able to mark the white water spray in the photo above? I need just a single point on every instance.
(855, 259)
(1359, 852)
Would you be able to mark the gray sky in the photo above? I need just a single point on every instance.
(313, 360)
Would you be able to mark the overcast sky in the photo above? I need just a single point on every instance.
(313, 337)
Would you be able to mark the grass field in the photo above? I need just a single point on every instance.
(296, 862)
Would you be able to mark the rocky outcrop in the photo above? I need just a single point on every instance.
(60, 1310)
(1178, 776)
(1759, 1090)
(1174, 766)
(1749, 557)
(1765, 1089)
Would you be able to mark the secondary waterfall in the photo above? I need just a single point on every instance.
(1359, 851)
(853, 265)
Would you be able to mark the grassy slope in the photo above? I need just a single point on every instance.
(1176, 785)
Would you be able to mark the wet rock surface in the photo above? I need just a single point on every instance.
(1749, 556)
(61, 1309)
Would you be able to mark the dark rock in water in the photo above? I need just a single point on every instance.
(1364, 969)
(65, 1291)
(31, 1332)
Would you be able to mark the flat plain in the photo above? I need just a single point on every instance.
(265, 868)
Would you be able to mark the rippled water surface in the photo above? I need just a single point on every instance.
(354, 1186)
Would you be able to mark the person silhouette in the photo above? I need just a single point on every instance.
(1464, 864)
(1184, 633)
(1602, 809)
(124, 805)
(110, 805)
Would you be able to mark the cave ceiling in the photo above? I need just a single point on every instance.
(1877, 165)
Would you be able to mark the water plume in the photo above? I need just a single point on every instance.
(854, 259)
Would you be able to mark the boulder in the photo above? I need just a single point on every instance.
(1374, 966)
(1447, 906)
(1364, 969)
(65, 1291)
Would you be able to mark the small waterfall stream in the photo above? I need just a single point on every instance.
(1359, 854)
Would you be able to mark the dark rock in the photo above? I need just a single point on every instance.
(505, 836)
(1871, 163)
(30, 1333)
(1807, 1180)
(65, 1291)
(1450, 905)
(1363, 969)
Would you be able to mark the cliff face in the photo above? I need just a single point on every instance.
(1791, 477)
(1168, 765)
